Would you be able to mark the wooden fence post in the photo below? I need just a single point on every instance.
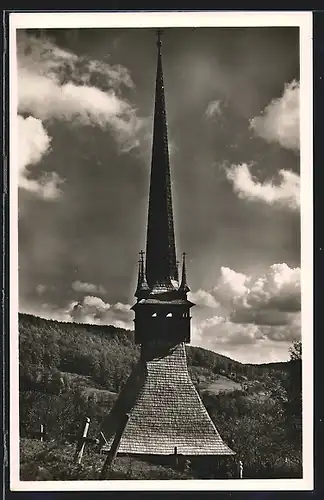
(104, 441)
(176, 458)
(41, 432)
(114, 447)
(82, 441)
(240, 469)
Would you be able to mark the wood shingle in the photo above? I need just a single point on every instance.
(165, 411)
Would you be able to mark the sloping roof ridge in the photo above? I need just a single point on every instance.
(204, 407)
(135, 381)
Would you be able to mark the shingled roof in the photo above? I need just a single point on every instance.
(165, 411)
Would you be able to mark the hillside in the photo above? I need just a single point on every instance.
(69, 371)
(97, 351)
(84, 366)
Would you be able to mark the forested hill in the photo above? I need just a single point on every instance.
(69, 371)
(104, 353)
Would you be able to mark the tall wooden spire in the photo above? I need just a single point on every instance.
(161, 267)
(159, 401)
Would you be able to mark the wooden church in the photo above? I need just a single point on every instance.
(158, 411)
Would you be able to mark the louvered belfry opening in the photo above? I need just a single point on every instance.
(165, 411)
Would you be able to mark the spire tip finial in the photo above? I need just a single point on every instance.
(141, 283)
(159, 41)
(184, 285)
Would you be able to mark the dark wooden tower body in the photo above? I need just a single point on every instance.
(162, 407)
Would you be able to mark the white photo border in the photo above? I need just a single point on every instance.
(303, 20)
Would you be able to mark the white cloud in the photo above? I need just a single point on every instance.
(247, 342)
(56, 84)
(252, 309)
(213, 109)
(203, 298)
(199, 327)
(80, 286)
(279, 121)
(219, 330)
(277, 289)
(115, 74)
(34, 141)
(33, 144)
(46, 58)
(119, 306)
(94, 310)
(231, 288)
(286, 194)
(91, 310)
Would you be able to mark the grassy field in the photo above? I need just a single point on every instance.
(222, 384)
(53, 462)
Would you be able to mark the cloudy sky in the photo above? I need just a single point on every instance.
(85, 104)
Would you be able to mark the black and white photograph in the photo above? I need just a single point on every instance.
(161, 251)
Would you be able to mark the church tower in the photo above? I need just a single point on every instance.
(159, 410)
(162, 311)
